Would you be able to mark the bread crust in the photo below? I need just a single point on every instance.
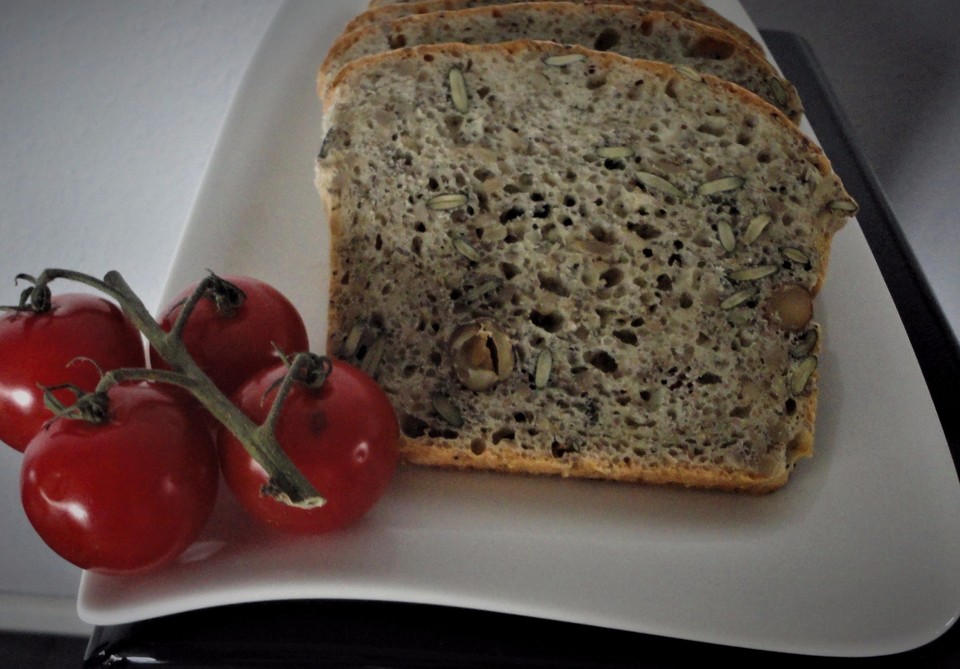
(745, 64)
(464, 453)
(688, 9)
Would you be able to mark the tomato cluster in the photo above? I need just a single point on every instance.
(130, 491)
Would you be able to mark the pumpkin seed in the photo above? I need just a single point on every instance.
(753, 273)
(727, 240)
(738, 298)
(795, 255)
(755, 228)
(805, 346)
(371, 361)
(779, 92)
(447, 410)
(721, 185)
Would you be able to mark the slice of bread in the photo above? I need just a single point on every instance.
(618, 28)
(693, 10)
(563, 261)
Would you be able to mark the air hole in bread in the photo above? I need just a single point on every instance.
(503, 434)
(509, 270)
(612, 277)
(627, 337)
(712, 48)
(595, 82)
(607, 39)
(553, 285)
(603, 361)
(552, 322)
(412, 427)
(714, 129)
(671, 89)
(664, 283)
(511, 214)
(644, 230)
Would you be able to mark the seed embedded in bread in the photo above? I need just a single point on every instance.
(600, 327)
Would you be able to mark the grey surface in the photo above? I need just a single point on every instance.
(895, 68)
(109, 111)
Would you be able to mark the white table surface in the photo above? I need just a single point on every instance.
(109, 111)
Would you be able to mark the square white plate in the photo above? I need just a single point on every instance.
(858, 555)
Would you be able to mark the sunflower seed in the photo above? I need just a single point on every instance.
(447, 201)
(464, 248)
(565, 59)
(658, 183)
(801, 375)
(458, 90)
(614, 152)
(352, 342)
(843, 205)
(541, 375)
(481, 289)
(688, 72)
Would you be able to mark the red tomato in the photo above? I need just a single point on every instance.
(230, 347)
(36, 348)
(125, 496)
(344, 437)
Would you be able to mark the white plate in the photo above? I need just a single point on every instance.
(858, 555)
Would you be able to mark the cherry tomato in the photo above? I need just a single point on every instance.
(344, 437)
(38, 348)
(127, 495)
(231, 345)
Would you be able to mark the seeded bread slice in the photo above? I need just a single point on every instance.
(693, 10)
(618, 28)
(563, 261)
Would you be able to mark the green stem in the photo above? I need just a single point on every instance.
(286, 482)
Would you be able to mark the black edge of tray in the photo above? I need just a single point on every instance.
(931, 336)
(396, 635)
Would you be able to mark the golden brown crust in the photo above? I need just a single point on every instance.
(455, 455)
